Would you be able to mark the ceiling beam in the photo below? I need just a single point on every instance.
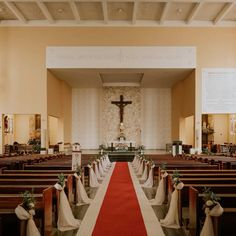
(134, 17)
(194, 12)
(105, 12)
(45, 11)
(223, 12)
(164, 12)
(15, 11)
(75, 11)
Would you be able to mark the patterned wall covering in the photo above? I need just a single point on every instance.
(111, 118)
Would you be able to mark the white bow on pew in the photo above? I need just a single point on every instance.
(66, 220)
(108, 161)
(140, 169)
(161, 191)
(100, 168)
(93, 182)
(144, 175)
(134, 162)
(172, 218)
(22, 214)
(99, 177)
(82, 197)
(139, 163)
(149, 181)
(207, 229)
(104, 165)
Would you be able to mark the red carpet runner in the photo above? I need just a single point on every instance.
(120, 212)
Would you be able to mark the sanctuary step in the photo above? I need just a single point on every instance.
(121, 156)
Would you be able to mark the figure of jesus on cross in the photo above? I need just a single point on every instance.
(121, 104)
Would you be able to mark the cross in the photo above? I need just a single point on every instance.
(121, 104)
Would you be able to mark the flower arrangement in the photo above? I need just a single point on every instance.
(90, 162)
(175, 178)
(102, 146)
(28, 201)
(163, 166)
(210, 198)
(150, 161)
(61, 179)
(142, 156)
(79, 170)
(141, 147)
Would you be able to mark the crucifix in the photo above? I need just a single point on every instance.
(121, 104)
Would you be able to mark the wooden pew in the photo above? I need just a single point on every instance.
(17, 162)
(12, 187)
(202, 182)
(44, 207)
(47, 167)
(41, 171)
(37, 180)
(223, 225)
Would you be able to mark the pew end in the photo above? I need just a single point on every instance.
(48, 210)
(193, 211)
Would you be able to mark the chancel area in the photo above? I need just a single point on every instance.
(117, 118)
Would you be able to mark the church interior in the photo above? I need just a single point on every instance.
(117, 117)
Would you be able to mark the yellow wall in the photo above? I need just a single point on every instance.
(52, 130)
(23, 77)
(183, 104)
(59, 99)
(22, 128)
(220, 124)
(232, 128)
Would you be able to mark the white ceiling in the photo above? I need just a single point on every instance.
(118, 13)
(147, 78)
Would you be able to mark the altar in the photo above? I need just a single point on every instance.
(121, 145)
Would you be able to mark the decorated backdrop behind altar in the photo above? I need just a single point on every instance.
(147, 120)
(111, 114)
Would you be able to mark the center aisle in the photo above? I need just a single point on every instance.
(120, 212)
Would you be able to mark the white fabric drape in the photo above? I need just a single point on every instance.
(138, 165)
(149, 181)
(161, 192)
(93, 182)
(66, 220)
(22, 214)
(144, 175)
(107, 164)
(133, 163)
(104, 165)
(140, 169)
(82, 197)
(100, 169)
(99, 177)
(172, 218)
(108, 161)
(207, 229)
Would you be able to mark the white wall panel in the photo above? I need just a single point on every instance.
(86, 117)
(156, 117)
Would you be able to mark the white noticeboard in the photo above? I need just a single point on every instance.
(219, 90)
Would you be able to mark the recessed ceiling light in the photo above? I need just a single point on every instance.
(120, 10)
(60, 10)
(179, 10)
